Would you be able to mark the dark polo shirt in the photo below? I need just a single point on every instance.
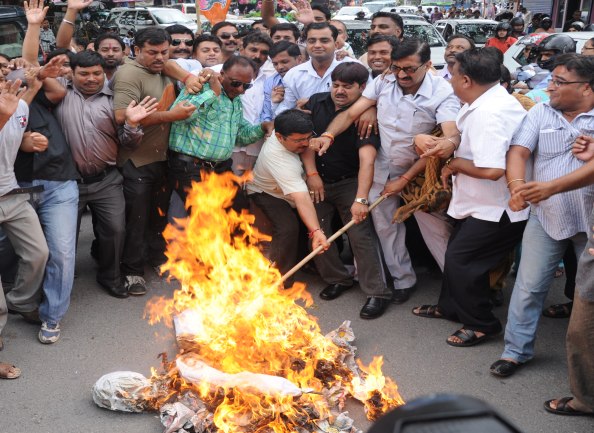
(341, 161)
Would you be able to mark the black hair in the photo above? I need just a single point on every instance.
(81, 40)
(322, 8)
(320, 26)
(151, 36)
(241, 61)
(293, 122)
(5, 56)
(282, 46)
(58, 52)
(410, 47)
(207, 38)
(219, 26)
(394, 17)
(286, 26)
(582, 66)
(506, 79)
(86, 59)
(105, 36)
(461, 36)
(483, 66)
(178, 28)
(257, 38)
(350, 73)
(375, 39)
(259, 22)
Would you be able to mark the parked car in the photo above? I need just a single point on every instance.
(377, 5)
(139, 18)
(188, 9)
(350, 13)
(514, 57)
(477, 30)
(358, 32)
(13, 25)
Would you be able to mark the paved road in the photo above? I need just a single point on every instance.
(102, 334)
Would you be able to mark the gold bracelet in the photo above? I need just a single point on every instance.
(447, 163)
(514, 180)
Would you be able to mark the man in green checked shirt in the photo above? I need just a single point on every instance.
(205, 140)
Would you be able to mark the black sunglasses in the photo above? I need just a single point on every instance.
(237, 83)
(226, 36)
(188, 42)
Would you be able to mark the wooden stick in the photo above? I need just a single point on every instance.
(330, 240)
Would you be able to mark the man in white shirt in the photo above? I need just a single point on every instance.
(279, 190)
(486, 229)
(256, 47)
(456, 44)
(411, 102)
(312, 76)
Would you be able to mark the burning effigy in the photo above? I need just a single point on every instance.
(251, 358)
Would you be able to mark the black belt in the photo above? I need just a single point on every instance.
(196, 160)
(26, 190)
(96, 177)
(331, 181)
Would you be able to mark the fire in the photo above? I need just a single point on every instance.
(238, 320)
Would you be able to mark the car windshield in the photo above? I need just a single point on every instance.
(350, 10)
(479, 33)
(11, 40)
(169, 16)
(375, 7)
(426, 33)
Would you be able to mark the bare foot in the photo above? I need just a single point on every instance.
(9, 371)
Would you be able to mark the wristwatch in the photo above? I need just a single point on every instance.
(362, 201)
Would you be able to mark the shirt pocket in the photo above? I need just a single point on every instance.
(421, 123)
(554, 141)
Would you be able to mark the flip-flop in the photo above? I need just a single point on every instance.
(558, 311)
(429, 311)
(469, 338)
(9, 371)
(563, 408)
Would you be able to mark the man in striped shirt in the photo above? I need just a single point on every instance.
(547, 136)
(206, 139)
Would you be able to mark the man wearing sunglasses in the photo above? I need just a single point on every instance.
(206, 139)
(182, 47)
(543, 143)
(229, 35)
(411, 102)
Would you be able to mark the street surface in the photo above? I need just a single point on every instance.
(102, 334)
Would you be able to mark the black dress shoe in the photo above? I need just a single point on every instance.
(116, 291)
(504, 368)
(28, 316)
(400, 296)
(333, 291)
(374, 307)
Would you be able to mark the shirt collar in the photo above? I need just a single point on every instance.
(310, 69)
(484, 98)
(105, 90)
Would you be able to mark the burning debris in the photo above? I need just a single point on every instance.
(251, 358)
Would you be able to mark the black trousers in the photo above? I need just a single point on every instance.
(147, 200)
(475, 247)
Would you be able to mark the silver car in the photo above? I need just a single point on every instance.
(477, 30)
(139, 18)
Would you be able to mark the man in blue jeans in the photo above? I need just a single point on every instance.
(547, 135)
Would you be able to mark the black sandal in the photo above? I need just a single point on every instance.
(558, 311)
(468, 338)
(563, 408)
(430, 311)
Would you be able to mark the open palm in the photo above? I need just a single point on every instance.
(79, 4)
(35, 11)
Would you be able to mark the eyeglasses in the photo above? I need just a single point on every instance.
(408, 70)
(558, 83)
(301, 140)
(188, 42)
(237, 83)
(226, 36)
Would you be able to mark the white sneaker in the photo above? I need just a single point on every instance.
(49, 334)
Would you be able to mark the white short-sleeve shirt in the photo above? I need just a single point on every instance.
(278, 172)
(487, 127)
(11, 136)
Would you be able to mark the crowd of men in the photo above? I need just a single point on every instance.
(325, 136)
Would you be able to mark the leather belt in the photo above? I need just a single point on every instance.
(26, 190)
(331, 181)
(196, 160)
(96, 177)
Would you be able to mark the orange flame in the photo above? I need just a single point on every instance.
(242, 321)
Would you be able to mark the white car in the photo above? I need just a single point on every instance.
(477, 30)
(350, 13)
(378, 5)
(514, 56)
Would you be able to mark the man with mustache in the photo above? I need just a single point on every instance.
(456, 44)
(229, 35)
(144, 166)
(182, 47)
(256, 47)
